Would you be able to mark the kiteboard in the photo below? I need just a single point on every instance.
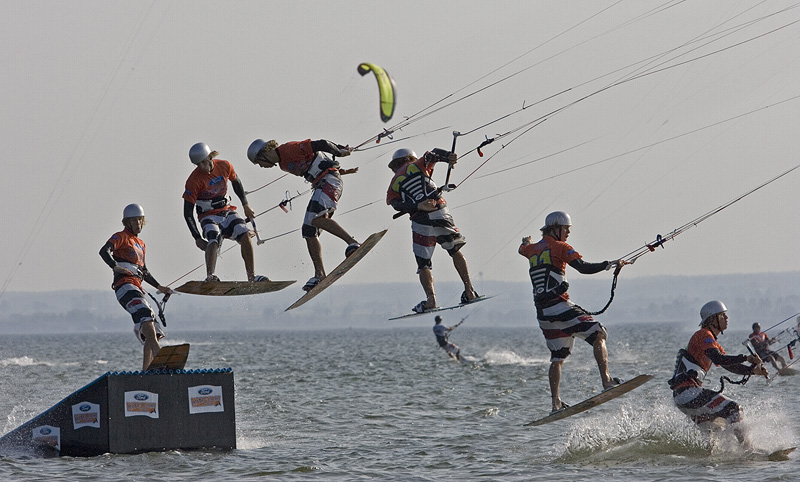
(340, 270)
(170, 357)
(776, 456)
(444, 308)
(232, 288)
(600, 398)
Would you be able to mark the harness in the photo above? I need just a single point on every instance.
(206, 205)
(686, 369)
(320, 165)
(549, 283)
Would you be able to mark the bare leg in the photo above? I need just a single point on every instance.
(151, 346)
(315, 250)
(426, 279)
(460, 262)
(601, 355)
(555, 381)
(211, 257)
(325, 223)
(247, 255)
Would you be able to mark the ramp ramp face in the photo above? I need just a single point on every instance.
(134, 412)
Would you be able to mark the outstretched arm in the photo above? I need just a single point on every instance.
(330, 148)
(736, 363)
(440, 155)
(589, 268)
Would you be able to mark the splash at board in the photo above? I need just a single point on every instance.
(600, 398)
(445, 308)
(340, 270)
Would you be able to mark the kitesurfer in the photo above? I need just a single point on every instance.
(761, 343)
(124, 254)
(309, 160)
(702, 405)
(207, 193)
(560, 320)
(413, 191)
(442, 332)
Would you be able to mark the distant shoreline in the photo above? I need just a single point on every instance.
(765, 297)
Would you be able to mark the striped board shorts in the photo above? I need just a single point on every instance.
(132, 299)
(561, 323)
(703, 405)
(324, 200)
(437, 227)
(226, 224)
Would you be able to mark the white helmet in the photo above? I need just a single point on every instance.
(199, 152)
(132, 211)
(557, 218)
(400, 153)
(255, 148)
(711, 308)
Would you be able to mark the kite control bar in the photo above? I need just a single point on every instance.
(450, 165)
(259, 241)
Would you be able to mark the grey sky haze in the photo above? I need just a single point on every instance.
(102, 100)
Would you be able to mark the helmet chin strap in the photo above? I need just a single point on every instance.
(716, 324)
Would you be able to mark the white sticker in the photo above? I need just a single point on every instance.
(47, 434)
(141, 403)
(205, 398)
(85, 414)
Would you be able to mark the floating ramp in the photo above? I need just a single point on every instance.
(135, 412)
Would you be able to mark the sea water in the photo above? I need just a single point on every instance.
(346, 404)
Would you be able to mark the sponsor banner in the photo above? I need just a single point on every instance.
(49, 435)
(85, 414)
(141, 402)
(205, 398)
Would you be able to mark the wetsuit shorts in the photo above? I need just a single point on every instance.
(704, 406)
(132, 299)
(324, 200)
(562, 323)
(436, 227)
(225, 224)
(452, 350)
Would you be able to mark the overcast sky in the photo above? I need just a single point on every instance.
(102, 100)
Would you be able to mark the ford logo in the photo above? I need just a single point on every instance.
(85, 407)
(45, 431)
(141, 396)
(204, 391)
